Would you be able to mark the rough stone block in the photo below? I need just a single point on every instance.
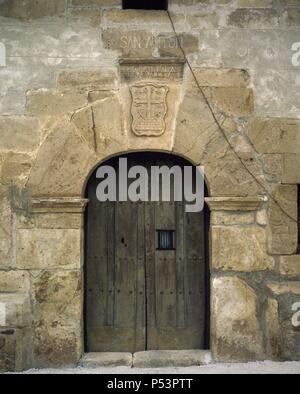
(14, 281)
(171, 358)
(291, 168)
(51, 103)
(290, 265)
(15, 168)
(86, 16)
(56, 286)
(291, 17)
(56, 346)
(49, 221)
(273, 330)
(240, 249)
(224, 219)
(45, 248)
(236, 335)
(31, 9)
(234, 101)
(220, 78)
(135, 17)
(254, 3)
(62, 163)
(15, 310)
(203, 20)
(15, 349)
(85, 81)
(100, 3)
(273, 167)
(254, 18)
(19, 133)
(113, 359)
(101, 126)
(5, 230)
(275, 135)
(282, 228)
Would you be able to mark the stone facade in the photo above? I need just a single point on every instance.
(65, 107)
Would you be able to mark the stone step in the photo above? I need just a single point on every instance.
(147, 359)
(171, 358)
(109, 359)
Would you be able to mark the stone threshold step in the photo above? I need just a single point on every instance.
(147, 359)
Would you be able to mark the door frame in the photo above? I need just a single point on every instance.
(207, 329)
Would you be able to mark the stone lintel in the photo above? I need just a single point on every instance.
(158, 69)
(58, 205)
(235, 203)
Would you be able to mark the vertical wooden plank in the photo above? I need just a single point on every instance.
(180, 265)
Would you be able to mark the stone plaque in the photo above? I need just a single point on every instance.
(148, 109)
(167, 70)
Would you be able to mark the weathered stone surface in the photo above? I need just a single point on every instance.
(282, 229)
(275, 135)
(101, 126)
(57, 317)
(226, 175)
(290, 333)
(236, 334)
(171, 358)
(44, 248)
(63, 163)
(31, 9)
(193, 133)
(50, 220)
(221, 78)
(234, 101)
(15, 168)
(291, 17)
(16, 281)
(280, 288)
(132, 43)
(15, 349)
(15, 310)
(254, 18)
(262, 217)
(85, 81)
(291, 169)
(273, 329)
(290, 265)
(19, 133)
(55, 346)
(101, 3)
(87, 16)
(240, 249)
(135, 17)
(52, 103)
(254, 3)
(224, 219)
(5, 229)
(57, 286)
(273, 167)
(168, 44)
(143, 43)
(96, 360)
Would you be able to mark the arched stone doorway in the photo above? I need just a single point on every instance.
(146, 269)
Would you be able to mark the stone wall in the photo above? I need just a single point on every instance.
(65, 107)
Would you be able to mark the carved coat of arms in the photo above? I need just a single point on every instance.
(149, 109)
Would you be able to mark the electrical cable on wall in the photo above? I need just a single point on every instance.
(220, 128)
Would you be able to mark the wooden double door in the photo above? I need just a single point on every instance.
(145, 279)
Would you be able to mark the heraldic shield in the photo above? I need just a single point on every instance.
(149, 109)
